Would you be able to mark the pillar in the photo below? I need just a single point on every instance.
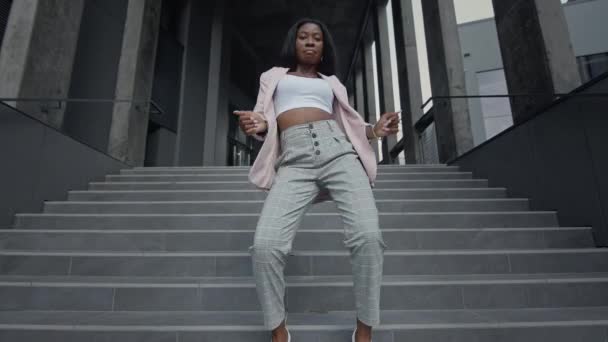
(216, 113)
(408, 69)
(95, 72)
(195, 74)
(359, 89)
(371, 91)
(446, 68)
(536, 51)
(223, 112)
(37, 54)
(385, 72)
(129, 127)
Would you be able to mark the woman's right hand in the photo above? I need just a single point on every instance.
(251, 122)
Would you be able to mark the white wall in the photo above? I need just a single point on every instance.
(480, 48)
(588, 24)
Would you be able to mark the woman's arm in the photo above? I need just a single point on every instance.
(253, 123)
(370, 132)
(259, 107)
(388, 124)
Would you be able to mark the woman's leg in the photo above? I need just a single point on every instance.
(288, 200)
(349, 187)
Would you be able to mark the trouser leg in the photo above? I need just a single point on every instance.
(287, 201)
(349, 187)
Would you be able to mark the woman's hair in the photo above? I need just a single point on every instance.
(288, 57)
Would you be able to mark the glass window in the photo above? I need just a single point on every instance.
(591, 66)
(428, 146)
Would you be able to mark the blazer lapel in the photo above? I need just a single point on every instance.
(280, 72)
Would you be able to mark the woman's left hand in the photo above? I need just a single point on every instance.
(388, 124)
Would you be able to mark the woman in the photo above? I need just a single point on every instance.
(321, 152)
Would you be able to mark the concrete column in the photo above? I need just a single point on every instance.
(408, 69)
(95, 71)
(129, 128)
(359, 91)
(452, 120)
(385, 71)
(536, 51)
(370, 90)
(216, 109)
(223, 111)
(195, 74)
(37, 54)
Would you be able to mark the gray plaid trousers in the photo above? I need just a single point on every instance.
(313, 156)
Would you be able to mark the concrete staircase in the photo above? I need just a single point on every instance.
(160, 254)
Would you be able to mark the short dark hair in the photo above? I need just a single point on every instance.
(288, 52)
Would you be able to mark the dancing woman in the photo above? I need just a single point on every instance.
(316, 148)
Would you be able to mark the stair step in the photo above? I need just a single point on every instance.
(246, 167)
(502, 325)
(304, 294)
(162, 254)
(326, 239)
(245, 185)
(220, 177)
(191, 170)
(316, 220)
(248, 195)
(255, 206)
(311, 263)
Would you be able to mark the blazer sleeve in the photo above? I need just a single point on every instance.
(259, 105)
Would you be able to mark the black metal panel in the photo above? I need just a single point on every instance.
(563, 165)
(557, 159)
(39, 163)
(20, 142)
(595, 124)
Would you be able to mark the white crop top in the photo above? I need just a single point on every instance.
(299, 92)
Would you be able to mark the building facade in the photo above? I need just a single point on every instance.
(484, 68)
(154, 82)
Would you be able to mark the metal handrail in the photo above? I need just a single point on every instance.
(554, 95)
(240, 144)
(427, 119)
(157, 108)
(398, 148)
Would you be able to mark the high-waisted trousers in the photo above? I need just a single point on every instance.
(316, 156)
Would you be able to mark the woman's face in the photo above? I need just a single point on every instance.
(309, 44)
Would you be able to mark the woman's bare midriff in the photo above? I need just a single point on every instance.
(299, 116)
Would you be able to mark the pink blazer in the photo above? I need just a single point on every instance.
(262, 171)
